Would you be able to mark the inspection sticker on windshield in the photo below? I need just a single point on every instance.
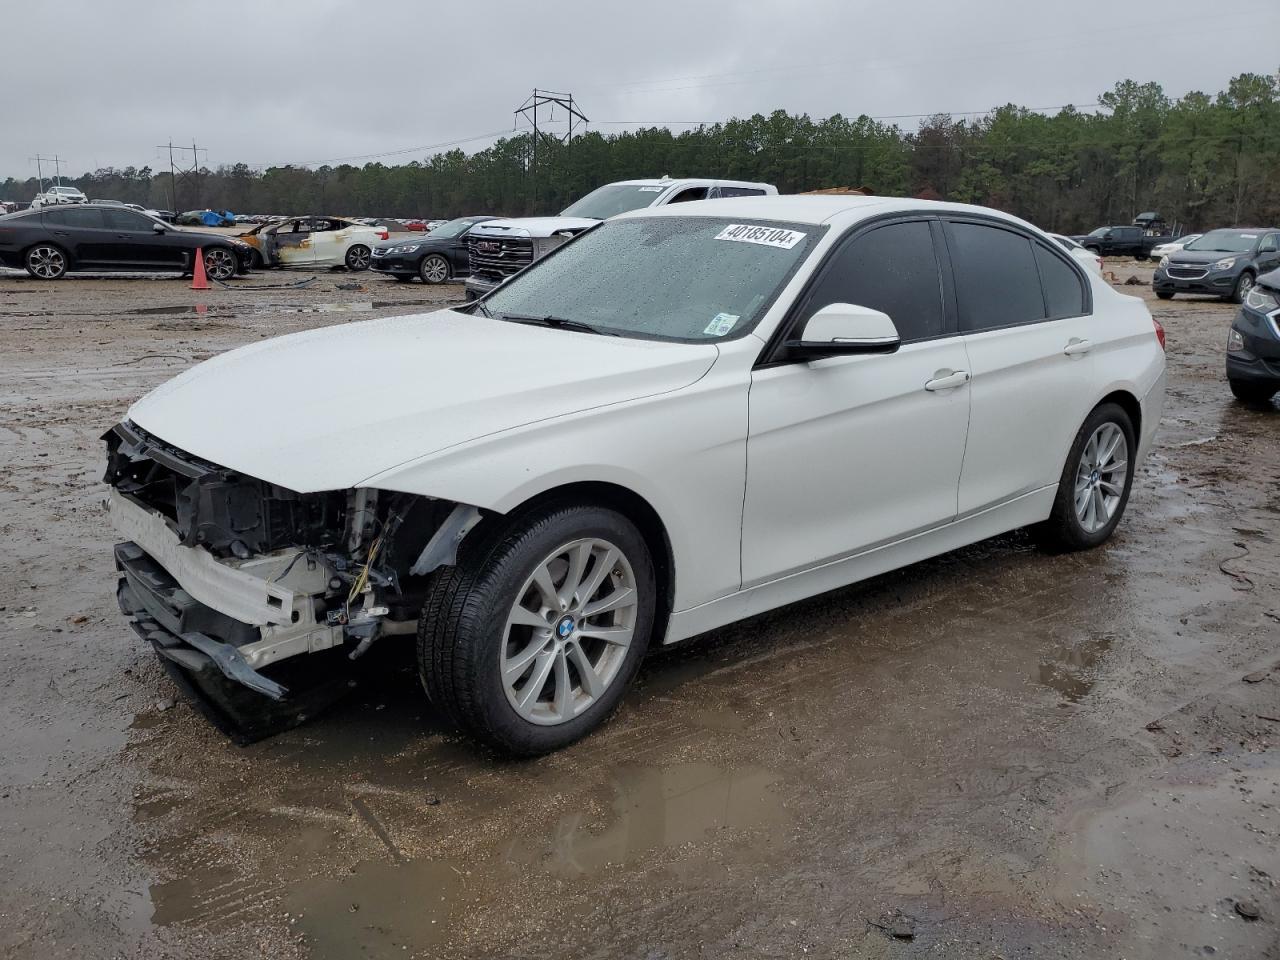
(766, 236)
(651, 189)
(720, 324)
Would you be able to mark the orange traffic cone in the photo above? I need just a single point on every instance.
(198, 280)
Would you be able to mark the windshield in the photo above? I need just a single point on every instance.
(453, 228)
(1100, 232)
(616, 198)
(1225, 241)
(665, 278)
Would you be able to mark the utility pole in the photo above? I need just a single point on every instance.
(181, 171)
(57, 169)
(529, 110)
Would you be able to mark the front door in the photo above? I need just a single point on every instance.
(293, 243)
(847, 453)
(134, 241)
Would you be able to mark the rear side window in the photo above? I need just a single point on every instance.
(1063, 291)
(997, 282)
(738, 192)
(75, 217)
(893, 269)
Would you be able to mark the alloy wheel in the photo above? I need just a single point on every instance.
(358, 257)
(219, 264)
(1100, 477)
(47, 263)
(568, 631)
(434, 269)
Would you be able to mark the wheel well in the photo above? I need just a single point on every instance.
(636, 509)
(1129, 404)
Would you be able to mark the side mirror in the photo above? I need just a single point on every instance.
(840, 329)
(158, 227)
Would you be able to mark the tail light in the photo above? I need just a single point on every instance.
(1159, 332)
(384, 234)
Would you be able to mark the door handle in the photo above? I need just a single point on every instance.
(947, 381)
(1075, 347)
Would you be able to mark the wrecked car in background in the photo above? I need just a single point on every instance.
(313, 242)
(504, 481)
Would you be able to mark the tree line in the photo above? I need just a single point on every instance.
(1201, 160)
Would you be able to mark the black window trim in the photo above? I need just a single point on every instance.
(1053, 248)
(773, 353)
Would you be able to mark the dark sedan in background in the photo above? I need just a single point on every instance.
(1225, 263)
(1253, 343)
(439, 256)
(50, 242)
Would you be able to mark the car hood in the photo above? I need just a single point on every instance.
(329, 408)
(417, 239)
(1201, 257)
(531, 226)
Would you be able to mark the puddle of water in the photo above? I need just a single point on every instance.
(651, 808)
(380, 909)
(1070, 670)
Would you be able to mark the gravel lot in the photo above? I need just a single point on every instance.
(998, 752)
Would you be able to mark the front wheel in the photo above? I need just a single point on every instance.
(219, 263)
(358, 258)
(530, 641)
(434, 269)
(1094, 488)
(46, 262)
(1248, 391)
(1242, 287)
(1164, 294)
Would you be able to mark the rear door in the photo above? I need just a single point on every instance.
(329, 240)
(1023, 308)
(83, 232)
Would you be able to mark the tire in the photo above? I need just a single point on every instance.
(1243, 285)
(220, 263)
(255, 261)
(1249, 391)
(47, 261)
(358, 257)
(481, 612)
(1164, 294)
(403, 277)
(433, 269)
(1073, 527)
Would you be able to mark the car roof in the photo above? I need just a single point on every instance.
(817, 210)
(671, 182)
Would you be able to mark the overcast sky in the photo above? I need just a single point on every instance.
(102, 82)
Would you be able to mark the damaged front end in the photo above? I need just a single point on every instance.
(232, 578)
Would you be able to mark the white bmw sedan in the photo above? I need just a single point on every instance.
(684, 417)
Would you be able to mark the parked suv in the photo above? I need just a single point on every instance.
(58, 194)
(681, 418)
(499, 249)
(1222, 262)
(1253, 344)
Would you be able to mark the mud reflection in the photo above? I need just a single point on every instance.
(1071, 670)
(651, 808)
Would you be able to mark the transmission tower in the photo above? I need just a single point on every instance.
(529, 110)
(182, 172)
(40, 161)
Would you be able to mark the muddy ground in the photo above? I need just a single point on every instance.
(999, 752)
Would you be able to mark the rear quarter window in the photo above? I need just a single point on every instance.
(1064, 294)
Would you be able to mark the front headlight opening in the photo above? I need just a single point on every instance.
(1226, 263)
(1262, 300)
(1164, 261)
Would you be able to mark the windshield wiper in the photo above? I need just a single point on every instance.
(559, 323)
(479, 307)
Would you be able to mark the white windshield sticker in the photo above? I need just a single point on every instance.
(721, 324)
(650, 189)
(766, 236)
(1249, 236)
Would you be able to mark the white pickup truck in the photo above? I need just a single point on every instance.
(498, 249)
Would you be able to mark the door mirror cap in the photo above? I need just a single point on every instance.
(158, 228)
(841, 329)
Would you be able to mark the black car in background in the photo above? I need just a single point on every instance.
(51, 241)
(1253, 343)
(434, 258)
(1222, 262)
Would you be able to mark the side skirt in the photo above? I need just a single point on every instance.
(1025, 510)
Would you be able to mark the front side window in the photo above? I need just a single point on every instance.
(667, 278)
(1269, 244)
(997, 282)
(126, 220)
(893, 269)
(614, 199)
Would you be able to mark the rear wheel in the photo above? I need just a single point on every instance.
(219, 263)
(530, 641)
(46, 262)
(358, 257)
(1094, 488)
(1248, 391)
(434, 269)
